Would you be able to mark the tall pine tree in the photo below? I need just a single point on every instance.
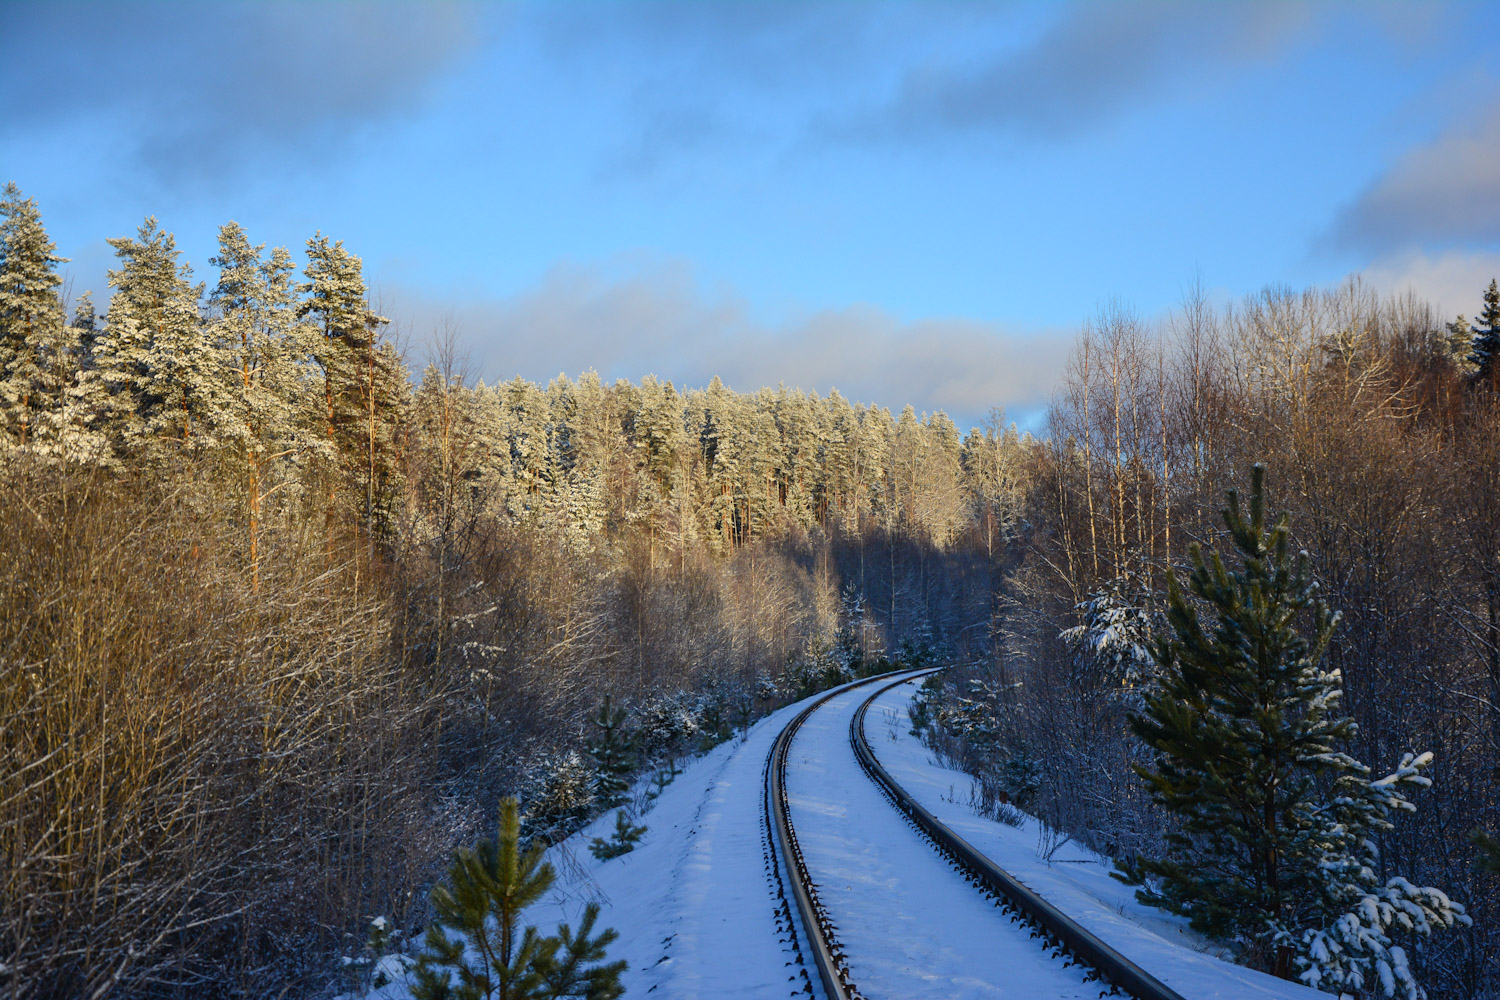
(1274, 842)
(364, 388)
(254, 322)
(37, 359)
(167, 380)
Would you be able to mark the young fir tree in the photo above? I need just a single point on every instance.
(1486, 353)
(614, 756)
(493, 958)
(1274, 841)
(37, 360)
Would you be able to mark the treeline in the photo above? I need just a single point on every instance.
(280, 622)
(1379, 426)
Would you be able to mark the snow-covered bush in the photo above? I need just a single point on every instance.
(1357, 949)
(765, 688)
(563, 798)
(665, 722)
(1112, 646)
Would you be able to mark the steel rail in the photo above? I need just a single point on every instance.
(1072, 937)
(817, 928)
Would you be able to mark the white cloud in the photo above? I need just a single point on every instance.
(661, 320)
(1453, 281)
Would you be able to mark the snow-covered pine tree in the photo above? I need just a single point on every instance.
(166, 379)
(1485, 355)
(37, 356)
(76, 428)
(364, 385)
(1458, 343)
(613, 753)
(253, 319)
(489, 886)
(1274, 843)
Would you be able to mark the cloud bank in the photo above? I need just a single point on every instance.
(663, 321)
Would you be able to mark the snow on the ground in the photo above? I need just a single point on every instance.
(910, 926)
(692, 902)
(697, 917)
(1075, 880)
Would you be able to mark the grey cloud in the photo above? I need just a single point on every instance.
(1442, 194)
(662, 321)
(201, 86)
(1096, 62)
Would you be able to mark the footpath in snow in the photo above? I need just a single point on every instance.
(1075, 880)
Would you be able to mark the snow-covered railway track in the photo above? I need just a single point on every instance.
(871, 892)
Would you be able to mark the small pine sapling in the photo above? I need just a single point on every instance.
(564, 797)
(626, 836)
(614, 755)
(365, 968)
(492, 957)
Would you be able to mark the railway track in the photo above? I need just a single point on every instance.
(814, 932)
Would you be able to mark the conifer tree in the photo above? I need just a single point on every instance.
(1486, 353)
(254, 321)
(364, 386)
(36, 357)
(1459, 342)
(167, 380)
(493, 958)
(626, 836)
(613, 755)
(1275, 843)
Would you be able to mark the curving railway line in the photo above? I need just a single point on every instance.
(880, 899)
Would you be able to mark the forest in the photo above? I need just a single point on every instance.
(281, 618)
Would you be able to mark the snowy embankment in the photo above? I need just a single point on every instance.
(696, 912)
(1075, 880)
(693, 902)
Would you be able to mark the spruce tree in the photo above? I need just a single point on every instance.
(1486, 353)
(1273, 845)
(492, 957)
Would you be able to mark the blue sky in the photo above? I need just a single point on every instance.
(911, 202)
